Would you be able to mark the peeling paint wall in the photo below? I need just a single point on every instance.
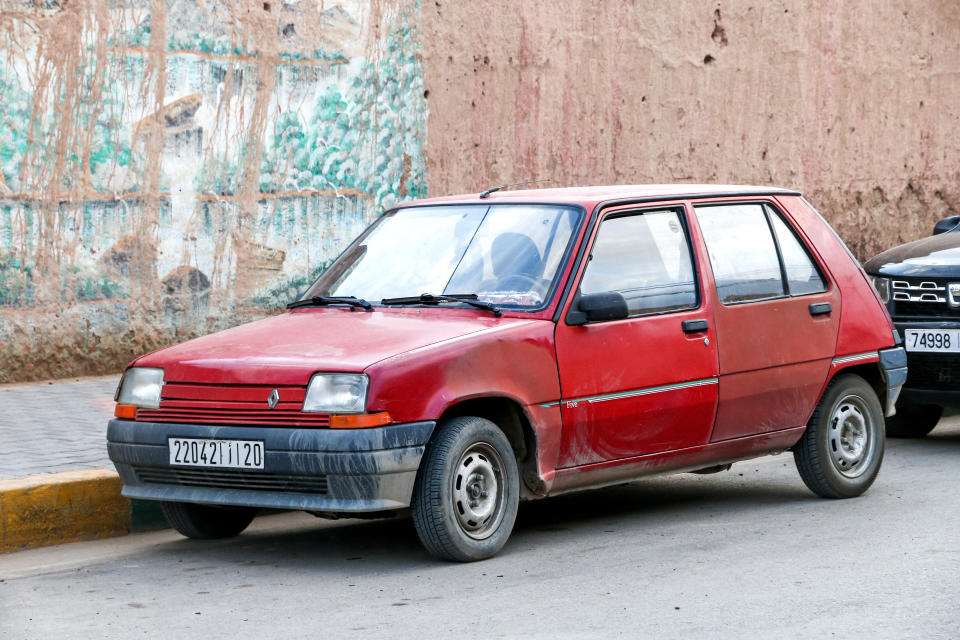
(856, 103)
(172, 167)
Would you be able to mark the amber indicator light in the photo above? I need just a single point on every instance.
(125, 411)
(360, 421)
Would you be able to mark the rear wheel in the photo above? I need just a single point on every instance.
(204, 522)
(467, 489)
(913, 420)
(839, 454)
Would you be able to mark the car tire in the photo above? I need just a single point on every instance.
(467, 490)
(203, 522)
(913, 420)
(840, 453)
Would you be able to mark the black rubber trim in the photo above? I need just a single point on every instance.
(692, 326)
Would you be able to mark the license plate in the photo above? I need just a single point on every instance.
(229, 454)
(937, 340)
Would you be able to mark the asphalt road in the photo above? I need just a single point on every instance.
(745, 553)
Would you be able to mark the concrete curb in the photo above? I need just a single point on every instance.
(55, 508)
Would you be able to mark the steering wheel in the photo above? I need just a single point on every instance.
(518, 282)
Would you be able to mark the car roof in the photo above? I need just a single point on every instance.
(590, 196)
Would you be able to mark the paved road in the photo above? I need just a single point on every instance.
(55, 426)
(747, 553)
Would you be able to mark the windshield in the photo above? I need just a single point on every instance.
(508, 255)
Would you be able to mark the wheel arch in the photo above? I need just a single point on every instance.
(869, 371)
(510, 416)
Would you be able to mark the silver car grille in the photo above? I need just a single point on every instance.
(925, 291)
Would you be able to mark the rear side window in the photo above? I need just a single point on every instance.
(755, 255)
(646, 258)
(802, 274)
(742, 252)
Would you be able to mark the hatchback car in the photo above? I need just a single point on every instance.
(920, 284)
(465, 353)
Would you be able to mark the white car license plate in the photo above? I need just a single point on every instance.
(230, 454)
(938, 340)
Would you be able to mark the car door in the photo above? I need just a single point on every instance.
(777, 318)
(646, 383)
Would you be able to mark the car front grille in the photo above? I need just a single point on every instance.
(921, 298)
(220, 404)
(940, 371)
(232, 479)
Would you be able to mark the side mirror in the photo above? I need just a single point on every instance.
(597, 307)
(946, 225)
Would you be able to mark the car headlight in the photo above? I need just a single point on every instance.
(336, 393)
(140, 387)
(882, 285)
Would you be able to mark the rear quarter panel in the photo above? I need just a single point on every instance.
(864, 323)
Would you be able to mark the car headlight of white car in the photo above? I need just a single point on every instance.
(140, 387)
(336, 393)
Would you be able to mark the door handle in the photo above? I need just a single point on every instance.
(820, 308)
(692, 326)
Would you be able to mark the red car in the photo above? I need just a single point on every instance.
(466, 353)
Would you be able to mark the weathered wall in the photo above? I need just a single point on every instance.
(857, 103)
(170, 167)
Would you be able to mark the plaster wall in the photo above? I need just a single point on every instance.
(855, 103)
(173, 167)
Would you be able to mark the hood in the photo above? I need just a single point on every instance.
(287, 349)
(936, 256)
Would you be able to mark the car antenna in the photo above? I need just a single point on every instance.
(486, 194)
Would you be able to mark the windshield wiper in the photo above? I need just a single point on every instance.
(428, 298)
(321, 301)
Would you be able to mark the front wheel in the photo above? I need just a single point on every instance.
(465, 497)
(913, 420)
(839, 454)
(203, 522)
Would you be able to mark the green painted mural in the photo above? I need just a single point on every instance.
(169, 167)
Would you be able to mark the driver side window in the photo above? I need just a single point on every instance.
(646, 258)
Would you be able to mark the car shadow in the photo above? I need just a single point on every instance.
(345, 547)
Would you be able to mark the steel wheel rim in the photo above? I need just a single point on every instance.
(478, 488)
(850, 436)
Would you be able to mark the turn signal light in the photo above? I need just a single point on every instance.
(360, 420)
(125, 412)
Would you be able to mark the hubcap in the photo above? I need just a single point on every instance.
(850, 438)
(477, 491)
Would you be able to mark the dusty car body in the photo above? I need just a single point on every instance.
(920, 284)
(593, 336)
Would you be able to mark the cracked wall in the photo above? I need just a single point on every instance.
(173, 167)
(855, 103)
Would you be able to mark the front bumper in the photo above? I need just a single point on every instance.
(933, 378)
(350, 470)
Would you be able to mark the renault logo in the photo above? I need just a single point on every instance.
(273, 399)
(953, 294)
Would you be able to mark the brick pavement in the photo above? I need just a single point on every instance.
(51, 427)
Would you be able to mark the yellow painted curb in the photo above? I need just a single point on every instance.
(61, 507)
